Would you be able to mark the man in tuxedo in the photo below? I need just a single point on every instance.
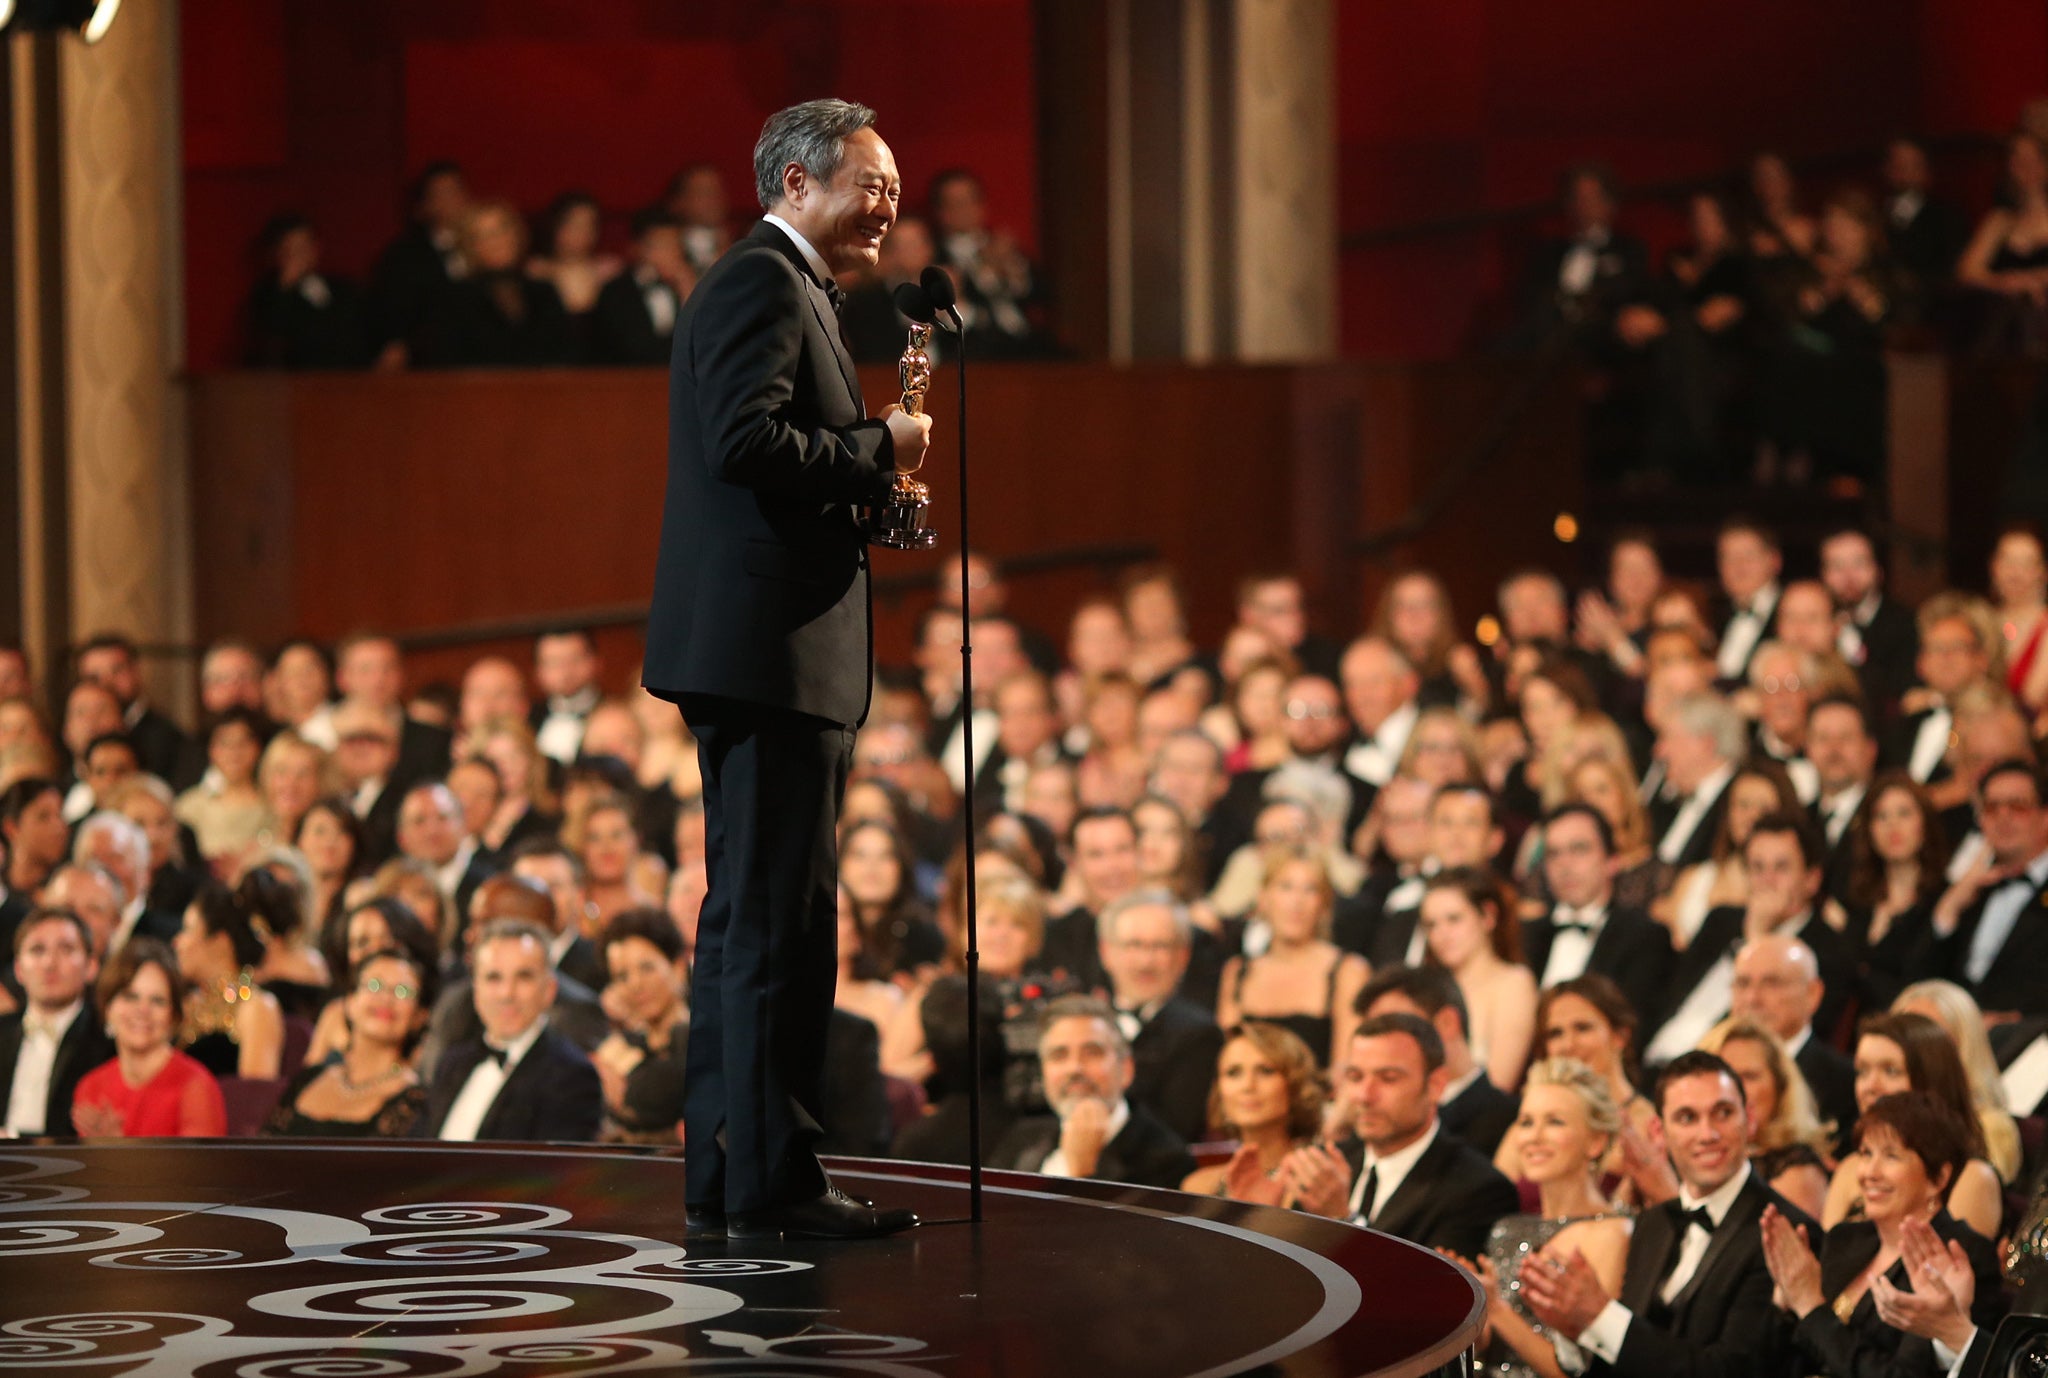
(57, 1036)
(1415, 1180)
(1876, 634)
(371, 675)
(1272, 603)
(1379, 693)
(1096, 1129)
(1696, 1295)
(634, 322)
(1576, 283)
(1782, 679)
(1957, 643)
(119, 846)
(300, 317)
(1925, 232)
(1027, 736)
(416, 272)
(1843, 750)
(1584, 931)
(366, 759)
(1991, 927)
(760, 630)
(1783, 859)
(1189, 772)
(1146, 937)
(518, 1078)
(2021, 1048)
(1749, 561)
(92, 713)
(1777, 983)
(430, 831)
(1699, 745)
(547, 861)
(1396, 881)
(1103, 857)
(565, 669)
(1471, 1107)
(167, 751)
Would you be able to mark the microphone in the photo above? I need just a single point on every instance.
(914, 302)
(938, 289)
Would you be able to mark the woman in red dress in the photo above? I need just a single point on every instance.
(149, 1089)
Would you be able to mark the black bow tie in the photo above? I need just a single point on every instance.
(1584, 930)
(496, 1055)
(1698, 1216)
(836, 297)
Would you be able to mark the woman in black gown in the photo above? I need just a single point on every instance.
(368, 1089)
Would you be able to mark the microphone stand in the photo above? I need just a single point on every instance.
(967, 812)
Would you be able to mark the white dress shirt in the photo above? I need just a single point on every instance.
(1744, 630)
(1930, 744)
(804, 247)
(1571, 950)
(1388, 1174)
(449, 877)
(2001, 915)
(1375, 759)
(561, 732)
(1581, 262)
(1836, 813)
(2026, 1080)
(1609, 1329)
(1690, 814)
(1055, 1164)
(35, 1064)
(473, 1103)
(318, 728)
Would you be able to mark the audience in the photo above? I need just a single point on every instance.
(1268, 1097)
(367, 1087)
(148, 1089)
(58, 1035)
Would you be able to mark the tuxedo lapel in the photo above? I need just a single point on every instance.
(1659, 1248)
(1393, 1213)
(1740, 1220)
(821, 306)
(10, 1052)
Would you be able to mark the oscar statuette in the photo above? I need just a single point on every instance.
(899, 523)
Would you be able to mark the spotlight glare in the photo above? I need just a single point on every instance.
(95, 28)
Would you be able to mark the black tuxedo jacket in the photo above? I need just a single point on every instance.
(85, 1045)
(2008, 1041)
(166, 750)
(1621, 273)
(1721, 932)
(623, 328)
(584, 964)
(1450, 1199)
(1633, 950)
(1864, 1346)
(1891, 652)
(286, 330)
(1928, 245)
(761, 585)
(1699, 846)
(1174, 1061)
(1721, 1323)
(552, 1094)
(576, 1016)
(1831, 1076)
(1144, 1153)
(1481, 1115)
(2017, 980)
(423, 754)
(406, 288)
(1897, 752)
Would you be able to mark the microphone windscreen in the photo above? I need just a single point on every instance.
(938, 286)
(913, 302)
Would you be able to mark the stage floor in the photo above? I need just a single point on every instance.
(280, 1259)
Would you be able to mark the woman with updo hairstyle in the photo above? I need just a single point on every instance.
(611, 856)
(1302, 981)
(294, 969)
(1471, 928)
(381, 923)
(1789, 1145)
(1910, 1052)
(1567, 1127)
(641, 1061)
(232, 1026)
(1589, 1021)
(1268, 1096)
(367, 1087)
(148, 1089)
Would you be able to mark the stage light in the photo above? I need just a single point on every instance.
(90, 19)
(1488, 630)
(1566, 527)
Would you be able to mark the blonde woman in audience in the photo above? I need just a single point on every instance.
(292, 775)
(1567, 1127)
(669, 755)
(1471, 929)
(1789, 1146)
(1010, 922)
(1302, 981)
(1588, 1020)
(1443, 749)
(1268, 1096)
(1758, 787)
(1950, 1006)
(1610, 786)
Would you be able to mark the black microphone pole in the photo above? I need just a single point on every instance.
(939, 289)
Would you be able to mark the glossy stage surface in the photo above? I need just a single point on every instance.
(268, 1259)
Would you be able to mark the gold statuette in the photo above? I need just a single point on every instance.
(899, 523)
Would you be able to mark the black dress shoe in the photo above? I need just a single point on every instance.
(703, 1222)
(835, 1215)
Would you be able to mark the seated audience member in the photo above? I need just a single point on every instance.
(1876, 634)
(366, 760)
(1898, 858)
(294, 969)
(1991, 929)
(162, 747)
(855, 991)
(1782, 860)
(2022, 1051)
(93, 726)
(1959, 646)
(1586, 930)
(149, 1089)
(1909, 1149)
(419, 268)
(1843, 748)
(527, 808)
(1950, 1006)
(1778, 984)
(569, 258)
(57, 1036)
(1471, 1107)
(430, 831)
(1145, 939)
(519, 1078)
(1472, 931)
(1268, 1097)
(298, 692)
(1573, 286)
(292, 775)
(232, 1026)
(300, 317)
(1415, 616)
(547, 861)
(879, 874)
(226, 810)
(614, 874)
(1395, 840)
(412, 884)
(635, 320)
(1170, 857)
(1162, 655)
(34, 838)
(2019, 582)
(940, 1135)
(1779, 693)
(1103, 868)
(1567, 1125)
(1587, 1020)
(1464, 831)
(496, 316)
(1695, 1295)
(1788, 1145)
(1301, 981)
(696, 198)
(1758, 788)
(641, 1061)
(2004, 261)
(111, 841)
(1699, 745)
(998, 286)
(380, 924)
(874, 330)
(567, 671)
(1414, 1181)
(1274, 604)
(1910, 1052)
(1252, 717)
(1381, 693)
(90, 891)
(366, 1088)
(574, 1009)
(1551, 700)
(1610, 786)
(175, 874)
(1305, 807)
(1095, 1130)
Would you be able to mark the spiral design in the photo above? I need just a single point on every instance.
(469, 1250)
(24, 1239)
(456, 1216)
(723, 1268)
(579, 1352)
(168, 1258)
(436, 1301)
(324, 1364)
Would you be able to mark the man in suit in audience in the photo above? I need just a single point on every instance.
(370, 672)
(1926, 232)
(1696, 1296)
(1778, 984)
(546, 860)
(1584, 931)
(1415, 1180)
(366, 759)
(57, 1036)
(1189, 772)
(1843, 749)
(1464, 830)
(1146, 937)
(635, 319)
(430, 831)
(1749, 561)
(1095, 1130)
(1471, 1107)
(164, 748)
(566, 667)
(1991, 927)
(1877, 635)
(1576, 283)
(1957, 647)
(416, 272)
(518, 1078)
(1104, 859)
(2021, 1048)
(1699, 745)
(1380, 688)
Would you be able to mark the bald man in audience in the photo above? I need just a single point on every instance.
(1777, 983)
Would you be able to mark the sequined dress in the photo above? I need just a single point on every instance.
(1513, 1240)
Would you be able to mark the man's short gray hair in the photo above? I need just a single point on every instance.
(1711, 716)
(128, 837)
(1150, 897)
(813, 136)
(1084, 1007)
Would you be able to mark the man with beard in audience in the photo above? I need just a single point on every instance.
(1317, 730)
(1877, 635)
(1145, 938)
(1096, 1129)
(57, 1037)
